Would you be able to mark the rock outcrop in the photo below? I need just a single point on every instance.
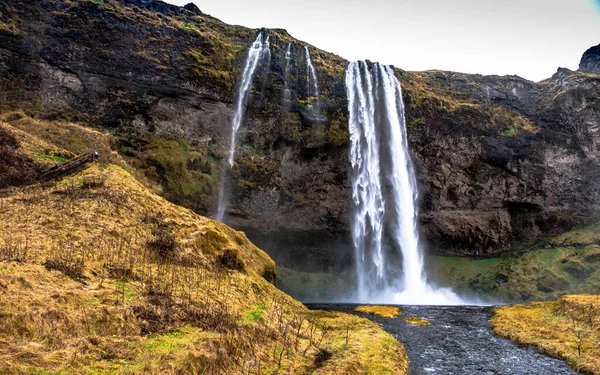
(498, 159)
(590, 62)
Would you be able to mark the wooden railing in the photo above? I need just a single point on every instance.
(68, 167)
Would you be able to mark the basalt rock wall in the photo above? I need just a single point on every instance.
(498, 159)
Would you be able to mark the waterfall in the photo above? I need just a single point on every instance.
(287, 94)
(312, 83)
(258, 51)
(384, 192)
(311, 74)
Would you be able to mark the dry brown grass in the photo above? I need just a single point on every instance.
(415, 320)
(383, 311)
(568, 328)
(36, 149)
(100, 276)
(58, 136)
(430, 100)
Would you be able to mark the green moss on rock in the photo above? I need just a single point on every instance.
(336, 135)
(184, 171)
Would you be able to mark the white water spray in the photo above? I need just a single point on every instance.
(258, 51)
(384, 192)
(287, 94)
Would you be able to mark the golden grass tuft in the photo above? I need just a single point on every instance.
(10, 27)
(382, 311)
(415, 320)
(568, 328)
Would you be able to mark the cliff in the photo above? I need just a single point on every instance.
(498, 159)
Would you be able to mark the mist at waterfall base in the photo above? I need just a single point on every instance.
(384, 194)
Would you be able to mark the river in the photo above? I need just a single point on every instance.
(459, 341)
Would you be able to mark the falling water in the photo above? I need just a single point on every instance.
(258, 51)
(384, 191)
(311, 73)
(312, 82)
(287, 94)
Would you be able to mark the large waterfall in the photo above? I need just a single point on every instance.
(384, 193)
(260, 49)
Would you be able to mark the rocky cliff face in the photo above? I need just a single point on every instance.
(590, 62)
(498, 158)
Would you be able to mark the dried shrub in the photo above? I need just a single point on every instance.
(88, 188)
(73, 269)
(93, 182)
(66, 260)
(120, 272)
(163, 245)
(14, 250)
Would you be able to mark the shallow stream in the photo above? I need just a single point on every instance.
(459, 341)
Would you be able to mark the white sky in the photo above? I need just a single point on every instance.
(530, 38)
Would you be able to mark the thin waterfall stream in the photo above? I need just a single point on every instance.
(287, 93)
(258, 51)
(384, 193)
(312, 84)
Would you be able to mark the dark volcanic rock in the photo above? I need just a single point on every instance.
(590, 62)
(498, 159)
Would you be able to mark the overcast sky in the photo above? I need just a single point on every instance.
(530, 38)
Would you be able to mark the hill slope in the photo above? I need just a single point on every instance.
(99, 275)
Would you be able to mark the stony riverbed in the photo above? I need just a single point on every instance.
(459, 341)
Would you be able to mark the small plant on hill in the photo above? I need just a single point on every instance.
(14, 250)
(66, 259)
(163, 244)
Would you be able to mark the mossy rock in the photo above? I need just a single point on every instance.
(211, 242)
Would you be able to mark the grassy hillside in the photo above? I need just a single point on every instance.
(98, 275)
(568, 328)
(566, 264)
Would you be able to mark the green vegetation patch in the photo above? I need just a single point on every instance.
(336, 135)
(185, 172)
(51, 157)
(429, 101)
(568, 263)
(256, 314)
(217, 63)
